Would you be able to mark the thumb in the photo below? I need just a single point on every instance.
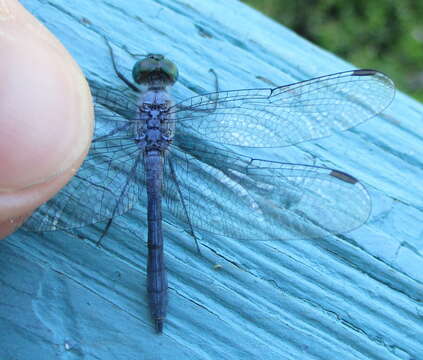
(45, 115)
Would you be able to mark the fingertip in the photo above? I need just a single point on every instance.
(8, 226)
(45, 106)
(46, 114)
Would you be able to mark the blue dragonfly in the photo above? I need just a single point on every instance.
(147, 151)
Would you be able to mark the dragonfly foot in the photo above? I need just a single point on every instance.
(98, 242)
(197, 245)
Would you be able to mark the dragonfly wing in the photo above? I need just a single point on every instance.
(118, 102)
(289, 114)
(102, 188)
(243, 198)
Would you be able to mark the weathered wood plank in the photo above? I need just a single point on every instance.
(358, 296)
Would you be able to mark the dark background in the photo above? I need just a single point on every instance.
(380, 34)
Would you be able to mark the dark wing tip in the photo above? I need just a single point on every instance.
(343, 177)
(364, 72)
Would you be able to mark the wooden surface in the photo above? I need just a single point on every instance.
(357, 296)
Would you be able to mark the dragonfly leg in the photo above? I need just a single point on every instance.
(213, 100)
(105, 231)
(191, 232)
(216, 87)
(118, 73)
(216, 80)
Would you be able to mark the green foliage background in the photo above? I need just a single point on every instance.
(386, 35)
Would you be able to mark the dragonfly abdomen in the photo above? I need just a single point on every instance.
(156, 271)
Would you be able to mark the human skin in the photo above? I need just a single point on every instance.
(46, 115)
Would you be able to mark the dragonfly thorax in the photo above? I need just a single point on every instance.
(156, 124)
(154, 99)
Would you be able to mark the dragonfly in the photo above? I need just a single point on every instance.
(169, 155)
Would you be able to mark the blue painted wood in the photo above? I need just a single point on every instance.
(357, 296)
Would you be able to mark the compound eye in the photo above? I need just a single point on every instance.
(154, 63)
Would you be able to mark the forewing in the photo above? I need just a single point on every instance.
(238, 197)
(111, 177)
(288, 114)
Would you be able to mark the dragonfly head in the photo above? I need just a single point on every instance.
(155, 68)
